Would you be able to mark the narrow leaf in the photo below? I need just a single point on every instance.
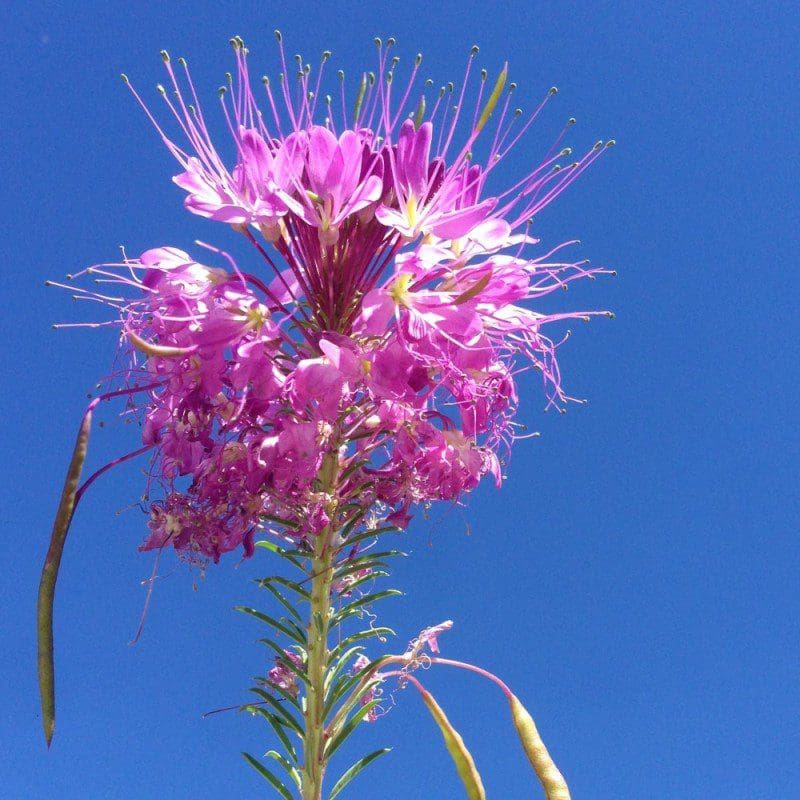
(276, 725)
(354, 770)
(287, 766)
(47, 584)
(340, 738)
(290, 630)
(265, 773)
(553, 783)
(457, 749)
(286, 583)
(286, 718)
(283, 601)
(357, 637)
(365, 600)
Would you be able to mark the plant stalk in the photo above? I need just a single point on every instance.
(322, 568)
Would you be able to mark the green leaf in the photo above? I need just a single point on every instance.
(279, 690)
(340, 738)
(354, 770)
(356, 605)
(458, 751)
(286, 718)
(283, 601)
(358, 637)
(285, 582)
(373, 574)
(372, 534)
(277, 725)
(288, 663)
(47, 584)
(287, 766)
(294, 633)
(265, 773)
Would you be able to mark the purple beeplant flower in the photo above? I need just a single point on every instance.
(283, 676)
(384, 323)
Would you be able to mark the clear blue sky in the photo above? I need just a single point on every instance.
(635, 581)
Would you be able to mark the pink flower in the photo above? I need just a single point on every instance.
(428, 638)
(283, 676)
(381, 322)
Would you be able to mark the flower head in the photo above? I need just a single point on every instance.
(380, 331)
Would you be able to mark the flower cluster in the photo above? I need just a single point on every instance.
(370, 359)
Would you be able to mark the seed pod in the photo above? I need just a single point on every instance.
(555, 787)
(458, 750)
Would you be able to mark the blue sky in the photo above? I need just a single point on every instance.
(635, 581)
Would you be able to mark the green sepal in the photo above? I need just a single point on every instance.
(354, 770)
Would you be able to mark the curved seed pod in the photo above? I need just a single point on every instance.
(555, 787)
(458, 750)
(47, 584)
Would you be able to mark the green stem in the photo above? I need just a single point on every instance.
(322, 568)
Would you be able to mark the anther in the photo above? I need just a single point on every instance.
(511, 87)
(451, 86)
(611, 315)
(377, 41)
(391, 41)
(326, 54)
(182, 61)
(553, 90)
(161, 90)
(165, 56)
(124, 77)
(428, 83)
(395, 61)
(418, 59)
(265, 80)
(566, 151)
(484, 75)
(611, 142)
(474, 50)
(571, 121)
(597, 145)
(278, 36)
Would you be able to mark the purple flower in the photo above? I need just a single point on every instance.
(382, 320)
(283, 676)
